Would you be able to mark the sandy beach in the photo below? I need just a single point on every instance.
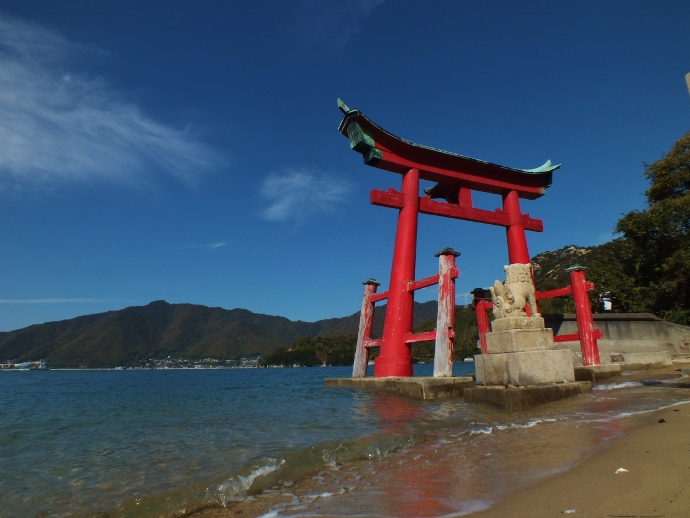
(645, 472)
(655, 452)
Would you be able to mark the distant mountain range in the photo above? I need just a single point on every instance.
(160, 329)
(135, 334)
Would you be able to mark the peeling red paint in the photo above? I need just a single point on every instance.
(366, 321)
(445, 321)
(481, 307)
(585, 322)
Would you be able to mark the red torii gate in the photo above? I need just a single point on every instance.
(456, 176)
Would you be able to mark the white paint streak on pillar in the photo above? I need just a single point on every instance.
(366, 321)
(443, 352)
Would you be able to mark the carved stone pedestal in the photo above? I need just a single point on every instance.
(523, 368)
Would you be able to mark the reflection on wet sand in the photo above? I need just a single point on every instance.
(450, 458)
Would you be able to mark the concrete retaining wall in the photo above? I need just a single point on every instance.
(627, 338)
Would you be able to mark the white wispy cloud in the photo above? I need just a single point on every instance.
(330, 23)
(58, 301)
(295, 194)
(208, 246)
(58, 125)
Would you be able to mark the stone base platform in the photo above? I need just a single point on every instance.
(595, 373)
(422, 387)
(521, 398)
(524, 368)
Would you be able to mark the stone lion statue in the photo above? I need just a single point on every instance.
(511, 298)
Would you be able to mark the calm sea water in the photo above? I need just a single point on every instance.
(155, 443)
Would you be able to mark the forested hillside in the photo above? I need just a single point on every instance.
(159, 329)
(647, 268)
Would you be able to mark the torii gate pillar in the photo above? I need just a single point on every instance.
(396, 357)
(515, 231)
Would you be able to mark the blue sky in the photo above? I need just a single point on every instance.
(188, 151)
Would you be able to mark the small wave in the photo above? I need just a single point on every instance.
(614, 386)
(502, 427)
(236, 487)
(272, 474)
(629, 384)
(516, 426)
(479, 431)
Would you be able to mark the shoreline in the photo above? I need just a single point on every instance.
(655, 451)
(655, 454)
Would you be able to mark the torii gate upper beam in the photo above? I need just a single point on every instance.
(383, 150)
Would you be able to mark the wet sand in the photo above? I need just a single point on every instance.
(656, 456)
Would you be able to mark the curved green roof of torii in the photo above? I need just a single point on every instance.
(384, 150)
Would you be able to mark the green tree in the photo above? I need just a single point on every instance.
(310, 351)
(659, 237)
(612, 267)
(466, 336)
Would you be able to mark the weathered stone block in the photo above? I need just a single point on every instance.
(595, 373)
(517, 340)
(494, 369)
(538, 367)
(479, 369)
(503, 324)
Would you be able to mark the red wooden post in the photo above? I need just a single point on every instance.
(515, 232)
(395, 358)
(366, 321)
(583, 312)
(481, 305)
(445, 320)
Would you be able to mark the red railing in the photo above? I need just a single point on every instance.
(443, 335)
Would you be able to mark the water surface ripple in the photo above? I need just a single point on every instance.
(153, 443)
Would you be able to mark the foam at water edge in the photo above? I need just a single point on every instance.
(478, 431)
(236, 487)
(614, 386)
(515, 426)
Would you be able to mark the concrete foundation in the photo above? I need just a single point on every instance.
(521, 398)
(596, 373)
(421, 387)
